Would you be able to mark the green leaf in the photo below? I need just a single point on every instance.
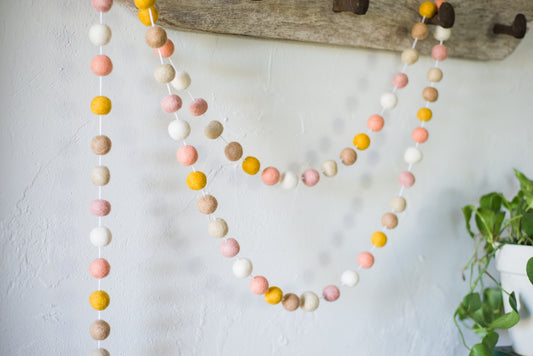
(490, 340)
(480, 350)
(493, 297)
(527, 223)
(512, 301)
(526, 186)
(505, 321)
(471, 302)
(489, 223)
(467, 213)
(491, 201)
(529, 269)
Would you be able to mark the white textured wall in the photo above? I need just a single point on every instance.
(291, 104)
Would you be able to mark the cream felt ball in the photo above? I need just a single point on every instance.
(213, 130)
(398, 204)
(179, 130)
(410, 56)
(389, 101)
(182, 80)
(349, 278)
(434, 75)
(329, 168)
(217, 228)
(412, 155)
(99, 34)
(289, 180)
(100, 236)
(164, 73)
(242, 268)
(100, 352)
(309, 301)
(100, 175)
(442, 34)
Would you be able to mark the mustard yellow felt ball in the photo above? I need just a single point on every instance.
(379, 239)
(101, 105)
(251, 165)
(196, 180)
(144, 4)
(144, 15)
(361, 141)
(424, 114)
(427, 9)
(99, 300)
(274, 295)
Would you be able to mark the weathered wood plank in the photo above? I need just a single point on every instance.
(386, 25)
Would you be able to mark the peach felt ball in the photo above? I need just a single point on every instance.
(400, 80)
(270, 176)
(101, 65)
(375, 122)
(407, 179)
(331, 293)
(167, 50)
(171, 103)
(310, 177)
(439, 52)
(259, 285)
(198, 107)
(187, 155)
(420, 135)
(99, 268)
(100, 207)
(102, 5)
(365, 260)
(229, 248)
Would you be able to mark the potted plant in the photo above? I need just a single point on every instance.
(504, 227)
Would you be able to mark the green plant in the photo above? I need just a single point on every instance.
(499, 221)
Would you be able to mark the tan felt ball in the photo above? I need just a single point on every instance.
(290, 302)
(156, 37)
(389, 220)
(164, 73)
(419, 31)
(100, 330)
(101, 145)
(430, 94)
(100, 175)
(348, 156)
(233, 151)
(207, 204)
(213, 130)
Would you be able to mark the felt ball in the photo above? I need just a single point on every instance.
(181, 81)
(100, 175)
(198, 107)
(251, 165)
(290, 302)
(398, 204)
(99, 268)
(100, 236)
(430, 94)
(270, 176)
(102, 5)
(274, 295)
(361, 141)
(217, 228)
(375, 122)
(420, 135)
(289, 180)
(144, 16)
(349, 278)
(410, 56)
(419, 31)
(438, 3)
(348, 156)
(196, 180)
(171, 103)
(242, 268)
(439, 52)
(233, 151)
(412, 155)
(406, 179)
(156, 37)
(424, 114)
(365, 260)
(378, 239)
(164, 73)
(259, 285)
(187, 155)
(229, 248)
(310, 177)
(101, 145)
(389, 100)
(100, 352)
(101, 65)
(100, 330)
(427, 9)
(101, 105)
(213, 130)
(389, 220)
(99, 300)
(99, 34)
(100, 207)
(309, 301)
(329, 168)
(442, 34)
(179, 130)
(207, 204)
(434, 75)
(400, 80)
(144, 4)
(331, 293)
(167, 50)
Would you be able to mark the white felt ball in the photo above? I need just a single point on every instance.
(349, 278)
(100, 352)
(179, 130)
(100, 236)
(329, 168)
(412, 155)
(164, 73)
(242, 268)
(99, 34)
(389, 101)
(217, 228)
(100, 175)
(442, 34)
(309, 301)
(181, 81)
(289, 180)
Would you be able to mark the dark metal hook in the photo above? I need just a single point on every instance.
(517, 29)
(359, 7)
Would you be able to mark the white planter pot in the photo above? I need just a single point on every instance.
(511, 263)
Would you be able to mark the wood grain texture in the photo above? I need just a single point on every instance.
(386, 25)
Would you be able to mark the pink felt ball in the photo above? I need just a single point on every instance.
(310, 177)
(101, 65)
(438, 3)
(99, 268)
(171, 103)
(167, 50)
(375, 122)
(100, 207)
(102, 5)
(420, 135)
(439, 52)
(400, 80)
(198, 107)
(365, 259)
(331, 293)
(229, 248)
(407, 179)
(270, 176)
(187, 155)
(259, 285)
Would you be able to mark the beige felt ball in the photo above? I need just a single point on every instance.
(309, 301)
(101, 145)
(389, 220)
(164, 73)
(290, 302)
(100, 175)
(207, 204)
(409, 56)
(430, 94)
(156, 37)
(348, 156)
(217, 228)
(99, 330)
(233, 151)
(398, 204)
(329, 168)
(419, 31)
(181, 81)
(434, 75)
(213, 130)
(100, 352)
